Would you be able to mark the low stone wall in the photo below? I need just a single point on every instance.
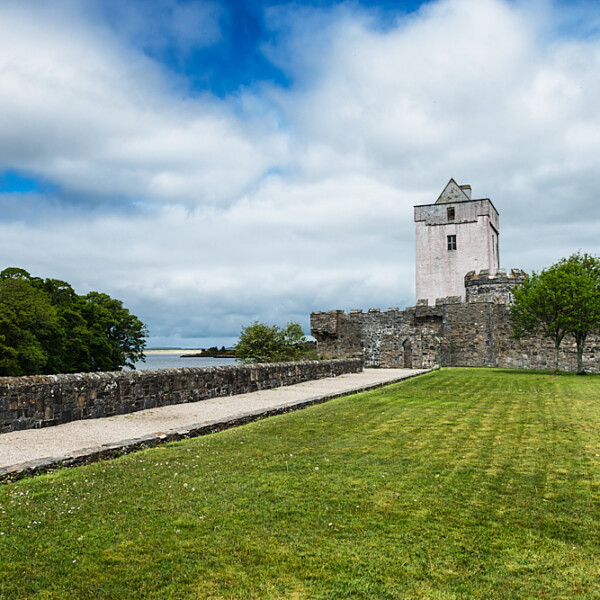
(45, 400)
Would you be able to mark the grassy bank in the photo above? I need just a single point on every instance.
(464, 483)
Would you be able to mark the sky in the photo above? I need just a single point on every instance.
(211, 163)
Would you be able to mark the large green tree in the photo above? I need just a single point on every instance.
(260, 342)
(118, 337)
(45, 327)
(560, 300)
(28, 323)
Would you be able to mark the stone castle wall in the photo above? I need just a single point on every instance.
(44, 400)
(452, 333)
(393, 338)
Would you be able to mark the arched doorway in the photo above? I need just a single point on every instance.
(407, 348)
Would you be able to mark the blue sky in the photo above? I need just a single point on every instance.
(229, 53)
(211, 163)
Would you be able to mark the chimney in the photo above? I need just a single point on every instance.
(467, 190)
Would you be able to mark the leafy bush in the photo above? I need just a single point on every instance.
(260, 342)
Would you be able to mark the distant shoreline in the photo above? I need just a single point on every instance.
(208, 355)
(179, 351)
(188, 353)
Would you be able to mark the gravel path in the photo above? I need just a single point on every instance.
(22, 451)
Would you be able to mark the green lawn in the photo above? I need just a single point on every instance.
(464, 483)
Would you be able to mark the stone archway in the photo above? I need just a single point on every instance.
(407, 351)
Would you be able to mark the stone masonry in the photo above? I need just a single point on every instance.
(462, 317)
(45, 400)
(450, 333)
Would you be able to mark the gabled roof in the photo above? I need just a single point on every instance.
(452, 193)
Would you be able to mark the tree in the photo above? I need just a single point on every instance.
(28, 321)
(69, 346)
(562, 299)
(260, 342)
(539, 307)
(582, 290)
(118, 337)
(45, 327)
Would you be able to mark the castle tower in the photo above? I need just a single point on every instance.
(454, 236)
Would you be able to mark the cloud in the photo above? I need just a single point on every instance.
(204, 213)
(102, 120)
(476, 90)
(156, 25)
(207, 272)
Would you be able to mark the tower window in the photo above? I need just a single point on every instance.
(451, 213)
(451, 242)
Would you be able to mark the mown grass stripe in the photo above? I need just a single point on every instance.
(465, 483)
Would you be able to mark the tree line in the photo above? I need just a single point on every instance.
(46, 328)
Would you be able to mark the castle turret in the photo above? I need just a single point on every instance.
(483, 287)
(454, 235)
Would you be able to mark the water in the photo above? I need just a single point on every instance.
(174, 361)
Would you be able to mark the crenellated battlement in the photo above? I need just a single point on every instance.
(480, 287)
(449, 333)
(423, 302)
(501, 276)
(317, 314)
(418, 335)
(382, 337)
(458, 320)
(483, 286)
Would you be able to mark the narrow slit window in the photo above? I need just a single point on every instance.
(451, 242)
(451, 213)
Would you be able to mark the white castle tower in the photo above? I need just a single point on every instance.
(454, 236)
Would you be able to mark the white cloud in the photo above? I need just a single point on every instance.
(203, 214)
(101, 119)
